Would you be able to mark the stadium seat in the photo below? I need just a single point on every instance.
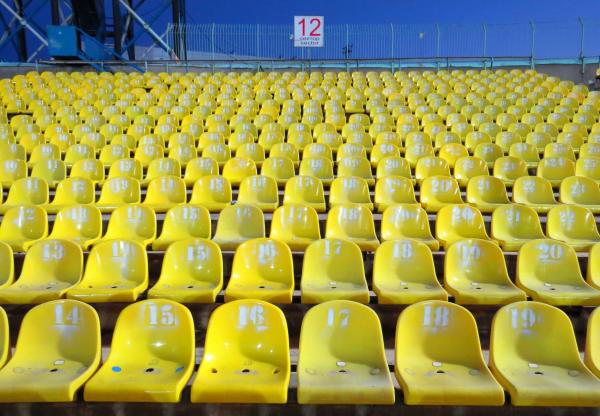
(219, 152)
(404, 273)
(509, 169)
(574, 225)
(42, 152)
(456, 222)
(262, 269)
(198, 168)
(7, 276)
(513, 225)
(183, 222)
(296, 225)
(593, 266)
(355, 166)
(526, 152)
(417, 151)
(318, 167)
(151, 356)
(438, 192)
(305, 190)
(115, 271)
(591, 359)
(12, 170)
(117, 192)
(588, 167)
(391, 190)
(582, 191)
(350, 190)
(212, 192)
(393, 166)
(62, 265)
(145, 153)
(164, 193)
(279, 168)
(439, 359)
(236, 169)
(555, 169)
(81, 224)
(487, 193)
(431, 166)
(57, 351)
(26, 191)
(260, 191)
(354, 223)
(348, 364)
(113, 152)
(22, 226)
(161, 167)
(407, 221)
(91, 169)
(548, 271)
(489, 152)
(72, 191)
(317, 150)
(333, 269)
(237, 224)
(469, 167)
(534, 355)
(192, 272)
(534, 192)
(126, 168)
(285, 150)
(475, 274)
(246, 355)
(133, 222)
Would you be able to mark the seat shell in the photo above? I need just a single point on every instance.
(535, 192)
(296, 225)
(574, 225)
(513, 225)
(238, 223)
(22, 226)
(305, 190)
(439, 191)
(183, 222)
(352, 222)
(81, 224)
(134, 222)
(260, 191)
(213, 192)
(456, 222)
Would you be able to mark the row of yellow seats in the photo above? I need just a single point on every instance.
(341, 356)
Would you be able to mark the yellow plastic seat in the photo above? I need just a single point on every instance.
(588, 167)
(407, 221)
(439, 359)
(79, 152)
(57, 351)
(146, 153)
(72, 191)
(355, 166)
(535, 192)
(91, 169)
(131, 168)
(350, 190)
(404, 273)
(354, 223)
(117, 192)
(198, 168)
(238, 223)
(50, 268)
(212, 192)
(456, 222)
(164, 193)
(295, 225)
(113, 152)
(115, 271)
(333, 269)
(317, 150)
(438, 192)
(548, 271)
(151, 356)
(262, 269)
(452, 152)
(534, 355)
(81, 224)
(509, 169)
(489, 152)
(305, 190)
(236, 169)
(341, 356)
(555, 169)
(279, 168)
(469, 167)
(246, 355)
(553, 150)
(192, 272)
(574, 225)
(285, 150)
(23, 226)
(217, 151)
(417, 151)
(133, 222)
(7, 276)
(591, 359)
(260, 191)
(51, 170)
(475, 274)
(381, 151)
(318, 167)
(487, 193)
(582, 191)
(393, 166)
(513, 225)
(391, 190)
(431, 166)
(42, 152)
(526, 152)
(161, 167)
(12, 170)
(183, 222)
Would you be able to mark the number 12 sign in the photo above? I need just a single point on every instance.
(308, 31)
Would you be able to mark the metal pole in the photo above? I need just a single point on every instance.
(212, 40)
(257, 40)
(347, 42)
(392, 29)
(437, 46)
(484, 26)
(532, 25)
(582, 45)
(118, 29)
(54, 12)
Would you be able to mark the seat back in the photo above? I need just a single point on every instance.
(393, 166)
(77, 221)
(516, 222)
(116, 260)
(431, 166)
(571, 222)
(533, 190)
(246, 221)
(510, 168)
(132, 221)
(354, 166)
(475, 261)
(12, 170)
(28, 191)
(213, 192)
(405, 221)
(487, 189)
(236, 169)
(186, 221)
(279, 168)
(331, 260)
(350, 189)
(295, 221)
(199, 167)
(444, 189)
(74, 191)
(354, 221)
(196, 259)
(91, 169)
(120, 191)
(469, 167)
(410, 260)
(463, 220)
(302, 189)
(546, 262)
(262, 258)
(61, 261)
(51, 170)
(166, 190)
(579, 190)
(126, 168)
(318, 167)
(24, 222)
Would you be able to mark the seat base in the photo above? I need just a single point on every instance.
(239, 387)
(487, 294)
(193, 291)
(407, 293)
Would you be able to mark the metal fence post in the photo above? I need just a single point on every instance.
(532, 25)
(392, 29)
(582, 45)
(212, 41)
(437, 46)
(484, 27)
(347, 41)
(257, 40)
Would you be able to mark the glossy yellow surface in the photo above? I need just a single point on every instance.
(165, 192)
(431, 166)
(198, 168)
(260, 191)
(7, 265)
(81, 224)
(57, 351)
(12, 170)
(534, 355)
(51, 170)
(246, 355)
(355, 166)
(295, 225)
(509, 169)
(555, 169)
(403, 221)
(212, 192)
(354, 223)
(469, 167)
(161, 167)
(151, 356)
(305, 190)
(487, 193)
(262, 269)
(279, 168)
(72, 191)
(26, 191)
(318, 167)
(574, 225)
(115, 271)
(236, 169)
(126, 168)
(342, 357)
(23, 226)
(117, 192)
(548, 271)
(579, 190)
(592, 344)
(455, 222)
(593, 266)
(91, 169)
(183, 222)
(333, 269)
(439, 359)
(132, 222)
(350, 190)
(238, 223)
(404, 273)
(391, 190)
(513, 225)
(475, 274)
(192, 272)
(438, 192)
